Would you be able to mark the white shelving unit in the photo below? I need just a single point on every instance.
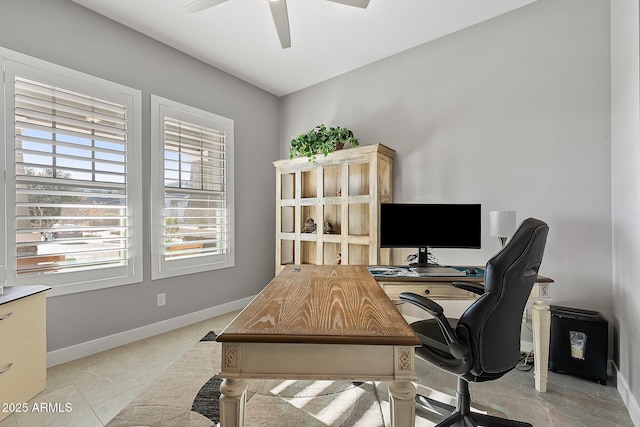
(345, 189)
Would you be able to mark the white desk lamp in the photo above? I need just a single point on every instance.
(502, 224)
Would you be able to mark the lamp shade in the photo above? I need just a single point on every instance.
(502, 223)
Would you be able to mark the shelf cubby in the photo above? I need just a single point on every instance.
(287, 252)
(288, 219)
(358, 179)
(330, 253)
(359, 220)
(332, 181)
(310, 212)
(309, 184)
(287, 185)
(308, 252)
(333, 214)
(358, 254)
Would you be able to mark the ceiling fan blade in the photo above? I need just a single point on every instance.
(356, 3)
(199, 5)
(281, 20)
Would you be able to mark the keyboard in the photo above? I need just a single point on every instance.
(438, 271)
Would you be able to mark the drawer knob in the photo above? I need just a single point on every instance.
(6, 368)
(6, 316)
(427, 291)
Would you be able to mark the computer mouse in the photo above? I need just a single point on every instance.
(471, 271)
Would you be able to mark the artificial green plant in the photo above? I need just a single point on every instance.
(321, 140)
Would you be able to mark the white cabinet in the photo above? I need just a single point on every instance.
(23, 344)
(344, 189)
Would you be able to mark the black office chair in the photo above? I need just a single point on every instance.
(484, 344)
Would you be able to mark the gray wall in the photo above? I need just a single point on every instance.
(67, 34)
(625, 195)
(512, 113)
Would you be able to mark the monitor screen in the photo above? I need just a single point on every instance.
(429, 225)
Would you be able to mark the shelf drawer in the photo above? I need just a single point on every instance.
(27, 375)
(436, 290)
(22, 321)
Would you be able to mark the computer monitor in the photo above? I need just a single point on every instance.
(425, 226)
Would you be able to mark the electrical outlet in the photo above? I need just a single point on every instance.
(162, 299)
(544, 290)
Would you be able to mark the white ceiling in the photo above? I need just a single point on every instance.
(328, 39)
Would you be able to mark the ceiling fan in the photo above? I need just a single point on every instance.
(278, 11)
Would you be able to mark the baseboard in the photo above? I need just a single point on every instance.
(627, 397)
(88, 348)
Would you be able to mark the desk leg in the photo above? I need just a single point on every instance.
(541, 320)
(402, 402)
(233, 397)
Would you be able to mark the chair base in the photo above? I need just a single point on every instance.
(474, 419)
(462, 415)
(434, 405)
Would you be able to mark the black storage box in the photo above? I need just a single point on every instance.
(579, 343)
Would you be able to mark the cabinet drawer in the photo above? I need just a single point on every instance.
(436, 290)
(27, 375)
(22, 321)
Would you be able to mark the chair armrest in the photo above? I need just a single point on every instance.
(476, 288)
(429, 305)
(457, 350)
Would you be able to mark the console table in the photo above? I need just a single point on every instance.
(397, 279)
(315, 322)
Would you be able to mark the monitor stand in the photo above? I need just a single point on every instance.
(423, 259)
(424, 268)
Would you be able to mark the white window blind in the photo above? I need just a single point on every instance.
(71, 193)
(195, 231)
(195, 190)
(70, 165)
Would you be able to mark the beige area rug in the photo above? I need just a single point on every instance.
(186, 395)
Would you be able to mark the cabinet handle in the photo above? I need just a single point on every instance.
(6, 316)
(7, 368)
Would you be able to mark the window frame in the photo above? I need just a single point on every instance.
(161, 267)
(20, 65)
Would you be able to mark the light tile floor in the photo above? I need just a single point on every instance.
(97, 387)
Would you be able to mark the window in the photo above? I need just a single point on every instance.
(192, 194)
(72, 190)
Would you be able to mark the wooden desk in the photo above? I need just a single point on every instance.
(439, 288)
(319, 322)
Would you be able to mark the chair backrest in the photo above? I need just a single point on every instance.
(491, 325)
